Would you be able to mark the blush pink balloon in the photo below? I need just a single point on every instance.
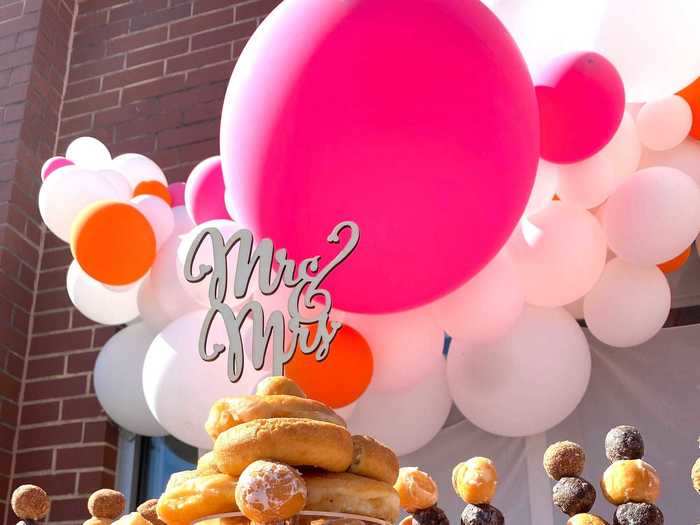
(53, 164)
(582, 100)
(204, 192)
(419, 124)
(177, 194)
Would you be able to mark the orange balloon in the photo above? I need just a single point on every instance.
(676, 263)
(113, 242)
(153, 187)
(342, 377)
(691, 94)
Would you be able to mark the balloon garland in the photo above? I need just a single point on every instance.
(451, 242)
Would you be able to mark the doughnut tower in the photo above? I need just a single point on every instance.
(418, 495)
(695, 475)
(277, 453)
(629, 482)
(573, 495)
(475, 481)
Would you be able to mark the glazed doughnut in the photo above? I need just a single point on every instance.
(475, 480)
(206, 465)
(178, 478)
(279, 385)
(630, 481)
(352, 494)
(695, 475)
(196, 498)
(372, 459)
(416, 489)
(297, 442)
(268, 491)
(232, 411)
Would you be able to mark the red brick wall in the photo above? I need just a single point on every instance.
(145, 76)
(34, 41)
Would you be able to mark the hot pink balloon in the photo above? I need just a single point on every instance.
(53, 164)
(204, 192)
(420, 124)
(582, 100)
(177, 194)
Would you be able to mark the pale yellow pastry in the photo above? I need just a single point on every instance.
(134, 518)
(269, 491)
(416, 489)
(351, 494)
(179, 478)
(475, 480)
(695, 475)
(630, 481)
(229, 412)
(374, 460)
(586, 519)
(279, 385)
(207, 465)
(197, 498)
(296, 442)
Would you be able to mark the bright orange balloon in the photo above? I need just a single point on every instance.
(342, 377)
(153, 187)
(691, 94)
(676, 263)
(113, 242)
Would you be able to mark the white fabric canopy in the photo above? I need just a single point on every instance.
(655, 387)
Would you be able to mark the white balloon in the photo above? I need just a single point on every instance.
(664, 123)
(200, 291)
(138, 168)
(486, 306)
(653, 216)
(684, 157)
(159, 216)
(628, 305)
(117, 180)
(88, 153)
(559, 254)
(180, 387)
(409, 341)
(526, 382)
(104, 305)
(118, 384)
(150, 310)
(652, 44)
(576, 309)
(406, 419)
(544, 188)
(624, 150)
(68, 192)
(588, 183)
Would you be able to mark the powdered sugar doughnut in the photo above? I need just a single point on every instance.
(268, 491)
(229, 412)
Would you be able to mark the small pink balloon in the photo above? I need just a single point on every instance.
(53, 164)
(582, 100)
(340, 111)
(204, 192)
(177, 194)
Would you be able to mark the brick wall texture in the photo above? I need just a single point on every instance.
(143, 76)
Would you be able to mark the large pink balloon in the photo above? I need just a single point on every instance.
(582, 100)
(419, 123)
(204, 192)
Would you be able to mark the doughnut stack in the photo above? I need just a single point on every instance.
(277, 453)
(695, 474)
(573, 495)
(30, 504)
(629, 482)
(418, 495)
(475, 481)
